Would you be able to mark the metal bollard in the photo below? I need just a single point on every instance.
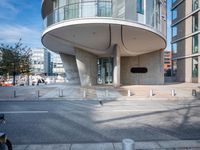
(84, 93)
(151, 92)
(173, 92)
(60, 93)
(128, 144)
(194, 92)
(129, 92)
(38, 93)
(106, 94)
(15, 94)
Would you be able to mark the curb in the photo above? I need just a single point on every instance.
(125, 98)
(158, 145)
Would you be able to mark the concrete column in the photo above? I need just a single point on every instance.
(117, 62)
(87, 67)
(71, 70)
(199, 69)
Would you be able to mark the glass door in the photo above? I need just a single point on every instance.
(105, 71)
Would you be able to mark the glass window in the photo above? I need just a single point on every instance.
(72, 10)
(173, 1)
(104, 8)
(195, 44)
(140, 6)
(195, 4)
(174, 67)
(174, 14)
(55, 4)
(174, 31)
(195, 20)
(62, 3)
(150, 12)
(88, 8)
(195, 67)
(174, 48)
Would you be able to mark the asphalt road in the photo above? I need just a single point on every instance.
(50, 122)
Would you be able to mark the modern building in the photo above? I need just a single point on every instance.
(114, 42)
(185, 40)
(1, 55)
(40, 58)
(167, 62)
(56, 65)
(45, 62)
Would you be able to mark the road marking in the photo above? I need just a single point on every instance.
(23, 112)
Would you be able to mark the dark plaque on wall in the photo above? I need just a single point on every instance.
(139, 70)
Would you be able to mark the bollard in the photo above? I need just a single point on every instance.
(84, 93)
(128, 144)
(129, 92)
(38, 93)
(60, 93)
(15, 94)
(106, 94)
(101, 103)
(173, 92)
(194, 92)
(151, 92)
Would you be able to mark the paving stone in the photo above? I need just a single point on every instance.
(117, 146)
(147, 145)
(20, 147)
(98, 146)
(179, 144)
(49, 147)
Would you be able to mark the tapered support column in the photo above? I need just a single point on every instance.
(71, 70)
(116, 71)
(87, 67)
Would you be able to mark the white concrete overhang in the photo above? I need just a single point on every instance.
(99, 35)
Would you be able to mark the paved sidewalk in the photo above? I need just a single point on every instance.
(183, 91)
(158, 145)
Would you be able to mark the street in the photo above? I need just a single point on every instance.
(49, 122)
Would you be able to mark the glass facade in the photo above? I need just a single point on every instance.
(195, 44)
(195, 24)
(105, 70)
(148, 12)
(174, 14)
(174, 31)
(174, 48)
(140, 6)
(174, 67)
(195, 4)
(195, 67)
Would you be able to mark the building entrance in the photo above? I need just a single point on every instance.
(105, 70)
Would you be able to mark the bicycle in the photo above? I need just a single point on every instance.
(5, 143)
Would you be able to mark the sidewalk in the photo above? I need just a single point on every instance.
(158, 145)
(183, 91)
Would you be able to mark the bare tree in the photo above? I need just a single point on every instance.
(15, 60)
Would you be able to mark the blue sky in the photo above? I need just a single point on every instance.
(22, 19)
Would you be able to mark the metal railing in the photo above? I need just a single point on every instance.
(88, 9)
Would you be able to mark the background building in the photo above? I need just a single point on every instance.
(46, 63)
(167, 63)
(56, 65)
(107, 42)
(1, 55)
(185, 40)
(40, 61)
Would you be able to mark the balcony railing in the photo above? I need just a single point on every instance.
(101, 9)
(80, 10)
